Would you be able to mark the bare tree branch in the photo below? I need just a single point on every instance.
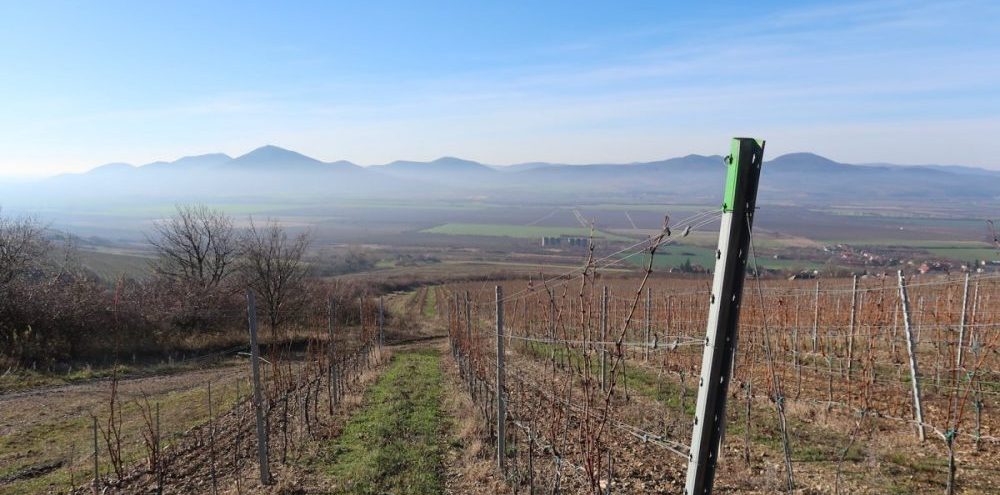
(197, 246)
(273, 267)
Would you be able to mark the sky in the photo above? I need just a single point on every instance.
(88, 83)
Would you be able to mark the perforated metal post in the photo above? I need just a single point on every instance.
(744, 164)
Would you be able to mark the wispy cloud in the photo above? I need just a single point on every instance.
(872, 74)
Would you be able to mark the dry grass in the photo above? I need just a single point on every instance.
(469, 465)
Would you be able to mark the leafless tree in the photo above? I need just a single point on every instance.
(197, 246)
(273, 267)
(22, 247)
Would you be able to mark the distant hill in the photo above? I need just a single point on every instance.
(274, 172)
(446, 170)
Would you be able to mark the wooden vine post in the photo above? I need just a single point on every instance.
(961, 322)
(381, 324)
(332, 391)
(258, 399)
(604, 338)
(648, 325)
(500, 384)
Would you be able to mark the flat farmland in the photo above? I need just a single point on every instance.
(518, 231)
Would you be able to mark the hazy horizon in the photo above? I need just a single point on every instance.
(28, 178)
(398, 206)
(123, 82)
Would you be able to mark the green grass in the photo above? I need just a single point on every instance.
(517, 231)
(673, 256)
(911, 243)
(809, 443)
(394, 444)
(638, 381)
(430, 303)
(385, 264)
(676, 255)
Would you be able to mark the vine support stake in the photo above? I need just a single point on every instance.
(961, 322)
(501, 378)
(468, 317)
(604, 338)
(97, 468)
(159, 457)
(330, 357)
(918, 410)
(649, 323)
(815, 317)
(211, 425)
(258, 399)
(738, 207)
(381, 324)
(850, 331)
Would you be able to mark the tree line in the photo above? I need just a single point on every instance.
(53, 310)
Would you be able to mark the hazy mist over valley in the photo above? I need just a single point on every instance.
(481, 248)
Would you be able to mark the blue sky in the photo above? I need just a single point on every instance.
(86, 83)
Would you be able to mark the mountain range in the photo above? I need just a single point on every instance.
(273, 172)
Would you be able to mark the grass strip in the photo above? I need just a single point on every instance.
(393, 444)
(430, 303)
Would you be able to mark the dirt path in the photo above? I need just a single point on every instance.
(26, 408)
(46, 435)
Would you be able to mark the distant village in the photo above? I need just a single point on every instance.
(843, 256)
(894, 257)
(871, 259)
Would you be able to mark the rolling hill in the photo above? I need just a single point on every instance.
(277, 173)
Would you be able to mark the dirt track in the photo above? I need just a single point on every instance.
(51, 427)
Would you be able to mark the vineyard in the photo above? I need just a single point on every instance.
(207, 439)
(599, 375)
(593, 380)
(602, 374)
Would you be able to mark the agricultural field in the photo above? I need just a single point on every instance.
(518, 231)
(789, 238)
(599, 391)
(588, 404)
(500, 250)
(110, 264)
